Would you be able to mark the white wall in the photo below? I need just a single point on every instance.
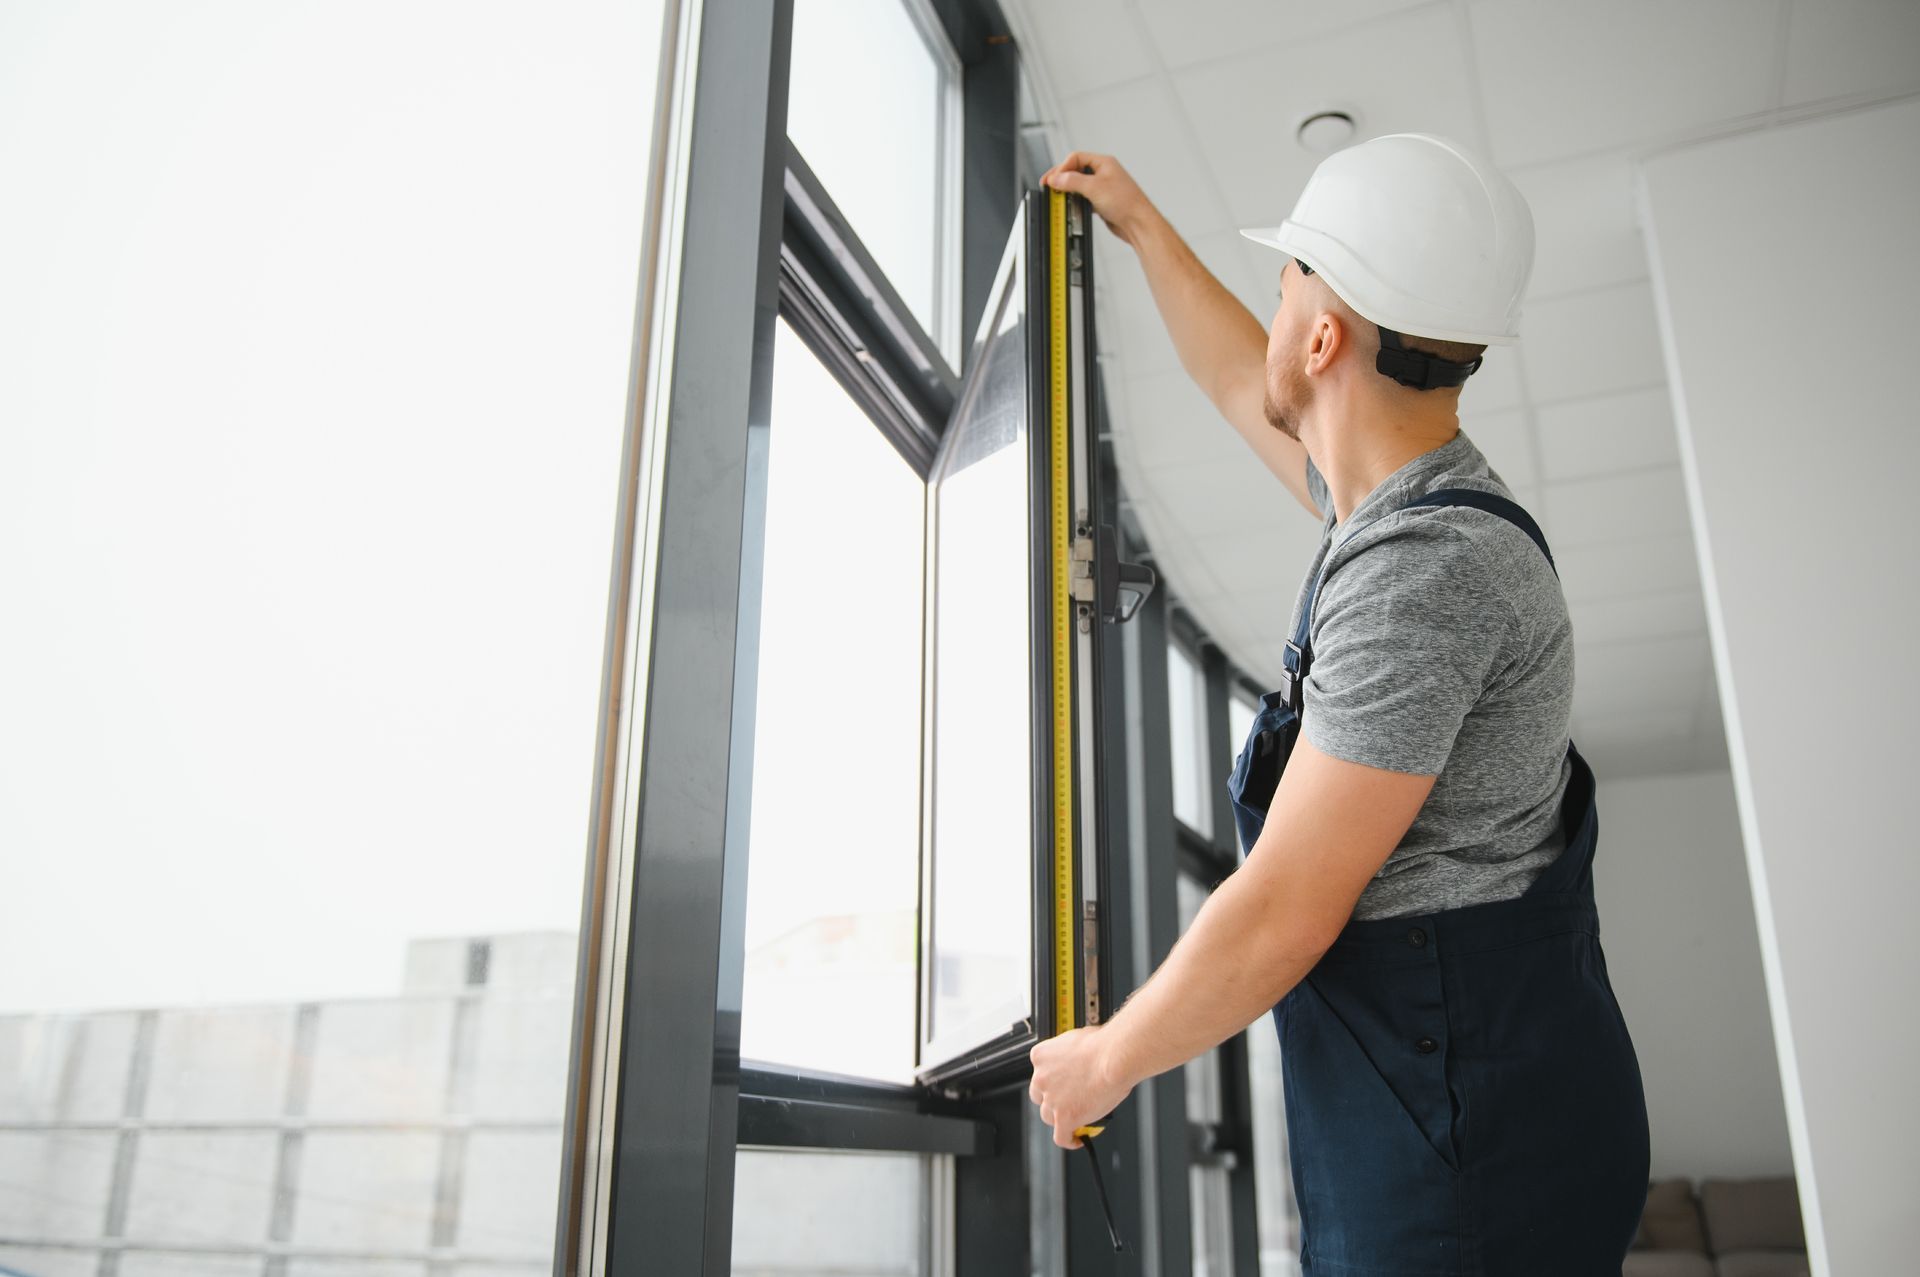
(1787, 273)
(1676, 918)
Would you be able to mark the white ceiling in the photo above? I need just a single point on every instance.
(1199, 100)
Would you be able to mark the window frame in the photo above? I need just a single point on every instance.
(662, 1094)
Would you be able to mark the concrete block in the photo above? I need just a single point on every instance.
(71, 1067)
(437, 965)
(221, 1063)
(798, 1212)
(385, 1059)
(531, 961)
(202, 1186)
(56, 1184)
(169, 1263)
(367, 1190)
(509, 1194)
(519, 1068)
(48, 1262)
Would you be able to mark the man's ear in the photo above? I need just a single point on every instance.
(1328, 339)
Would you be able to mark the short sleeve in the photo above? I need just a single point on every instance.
(1317, 489)
(1406, 636)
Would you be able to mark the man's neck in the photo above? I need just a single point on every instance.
(1355, 461)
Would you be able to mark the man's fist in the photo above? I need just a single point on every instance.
(1072, 1083)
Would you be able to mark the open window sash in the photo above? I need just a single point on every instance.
(1013, 843)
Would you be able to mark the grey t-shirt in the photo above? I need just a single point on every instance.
(1441, 646)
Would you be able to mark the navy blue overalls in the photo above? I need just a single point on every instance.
(1462, 1097)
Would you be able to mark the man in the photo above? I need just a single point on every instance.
(1415, 905)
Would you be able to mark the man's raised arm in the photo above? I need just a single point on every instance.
(1221, 344)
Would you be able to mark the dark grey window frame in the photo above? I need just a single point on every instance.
(1207, 861)
(659, 1099)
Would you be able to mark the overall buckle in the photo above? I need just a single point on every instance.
(1293, 672)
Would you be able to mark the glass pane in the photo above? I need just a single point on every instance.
(982, 834)
(864, 107)
(820, 1214)
(833, 874)
(315, 332)
(1210, 1191)
(1240, 715)
(1186, 712)
(1272, 1173)
(1210, 1197)
(1203, 1071)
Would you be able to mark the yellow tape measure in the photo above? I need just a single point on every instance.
(1063, 910)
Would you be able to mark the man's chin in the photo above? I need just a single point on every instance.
(1279, 422)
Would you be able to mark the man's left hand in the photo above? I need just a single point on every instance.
(1073, 1082)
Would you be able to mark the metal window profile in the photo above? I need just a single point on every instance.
(1199, 858)
(847, 312)
(797, 1108)
(816, 223)
(654, 1068)
(1166, 1230)
(1236, 1083)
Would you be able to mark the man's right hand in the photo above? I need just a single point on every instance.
(1115, 196)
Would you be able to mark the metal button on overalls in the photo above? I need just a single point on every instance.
(1462, 1097)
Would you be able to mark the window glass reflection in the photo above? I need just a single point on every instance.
(865, 106)
(314, 352)
(833, 869)
(1186, 712)
(818, 1214)
(981, 844)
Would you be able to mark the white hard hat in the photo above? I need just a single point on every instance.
(1417, 234)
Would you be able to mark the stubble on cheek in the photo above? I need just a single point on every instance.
(1276, 417)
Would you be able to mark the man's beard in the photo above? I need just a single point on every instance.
(1279, 420)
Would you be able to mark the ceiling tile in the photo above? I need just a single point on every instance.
(1837, 47)
(1626, 507)
(1594, 730)
(1199, 30)
(1129, 324)
(1585, 231)
(1223, 253)
(1256, 569)
(1638, 616)
(1214, 498)
(1140, 124)
(1085, 44)
(1593, 343)
(1407, 74)
(1614, 568)
(1496, 385)
(1607, 433)
(1662, 672)
(1170, 423)
(1562, 79)
(1502, 436)
(1627, 754)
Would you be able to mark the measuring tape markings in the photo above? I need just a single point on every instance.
(1063, 911)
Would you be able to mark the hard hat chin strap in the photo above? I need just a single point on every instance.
(1417, 368)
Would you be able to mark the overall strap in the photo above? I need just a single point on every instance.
(1492, 503)
(1297, 657)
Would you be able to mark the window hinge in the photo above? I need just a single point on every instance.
(1090, 957)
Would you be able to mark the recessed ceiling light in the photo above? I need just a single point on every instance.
(1325, 132)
